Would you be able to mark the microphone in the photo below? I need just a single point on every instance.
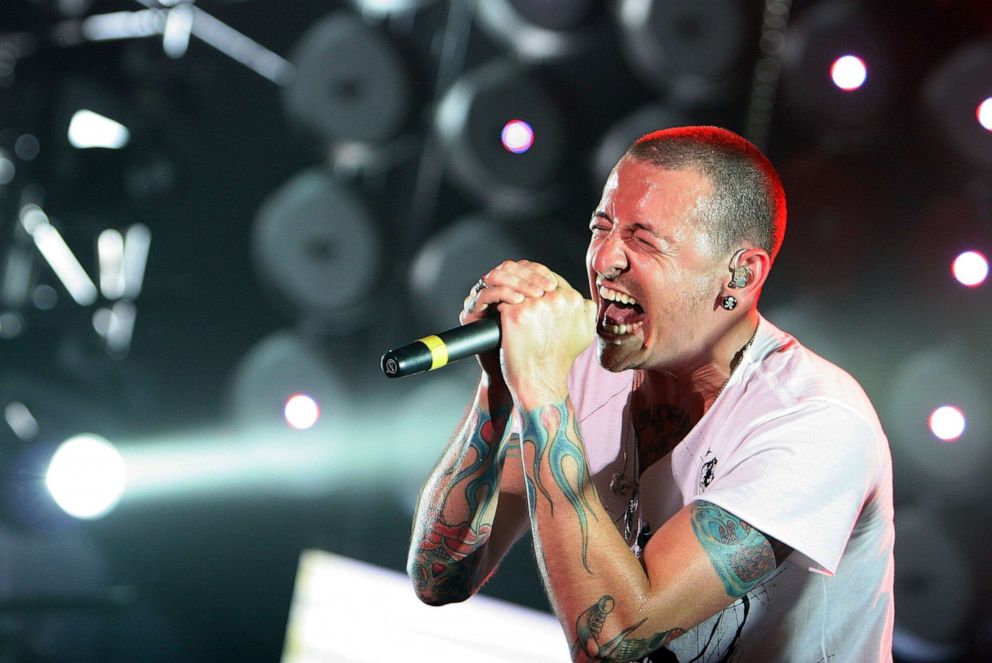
(438, 350)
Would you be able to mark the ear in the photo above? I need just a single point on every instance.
(746, 276)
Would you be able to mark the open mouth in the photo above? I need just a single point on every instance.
(619, 313)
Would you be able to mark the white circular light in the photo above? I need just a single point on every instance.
(86, 476)
(849, 72)
(517, 136)
(984, 114)
(301, 411)
(971, 268)
(947, 423)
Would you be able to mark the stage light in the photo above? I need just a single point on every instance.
(626, 130)
(312, 232)
(286, 378)
(475, 110)
(947, 423)
(938, 604)
(940, 393)
(86, 476)
(955, 93)
(453, 257)
(824, 60)
(517, 136)
(848, 72)
(971, 268)
(540, 30)
(88, 130)
(301, 411)
(984, 114)
(351, 82)
(21, 420)
(692, 51)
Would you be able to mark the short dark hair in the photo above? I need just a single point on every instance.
(748, 201)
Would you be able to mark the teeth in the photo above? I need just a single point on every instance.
(617, 329)
(615, 296)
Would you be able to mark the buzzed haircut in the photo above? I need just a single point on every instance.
(748, 201)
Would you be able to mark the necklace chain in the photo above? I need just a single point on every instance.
(622, 485)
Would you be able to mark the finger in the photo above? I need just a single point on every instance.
(520, 278)
(547, 278)
(478, 301)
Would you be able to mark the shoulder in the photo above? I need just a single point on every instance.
(785, 376)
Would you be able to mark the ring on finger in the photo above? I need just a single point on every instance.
(480, 285)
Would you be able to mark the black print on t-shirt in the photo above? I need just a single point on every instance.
(706, 474)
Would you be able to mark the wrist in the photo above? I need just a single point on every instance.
(536, 396)
(493, 396)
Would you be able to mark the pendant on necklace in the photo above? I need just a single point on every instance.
(622, 486)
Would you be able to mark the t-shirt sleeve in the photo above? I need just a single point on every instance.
(802, 477)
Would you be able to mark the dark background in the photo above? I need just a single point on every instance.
(886, 185)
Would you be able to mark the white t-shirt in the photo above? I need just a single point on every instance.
(793, 447)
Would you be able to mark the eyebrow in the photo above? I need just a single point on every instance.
(637, 225)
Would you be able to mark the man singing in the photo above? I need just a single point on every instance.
(697, 483)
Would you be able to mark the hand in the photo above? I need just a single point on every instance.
(511, 282)
(540, 340)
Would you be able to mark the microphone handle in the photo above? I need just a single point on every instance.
(438, 350)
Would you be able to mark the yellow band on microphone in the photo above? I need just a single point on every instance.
(439, 351)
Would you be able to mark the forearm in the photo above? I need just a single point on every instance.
(457, 505)
(598, 588)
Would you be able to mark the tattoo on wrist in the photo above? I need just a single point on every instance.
(740, 554)
(589, 631)
(551, 431)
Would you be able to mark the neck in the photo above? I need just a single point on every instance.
(696, 390)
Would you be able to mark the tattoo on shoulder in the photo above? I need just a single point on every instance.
(740, 554)
(589, 630)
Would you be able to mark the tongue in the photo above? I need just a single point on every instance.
(622, 315)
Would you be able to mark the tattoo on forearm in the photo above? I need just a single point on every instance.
(551, 431)
(589, 629)
(444, 562)
(740, 554)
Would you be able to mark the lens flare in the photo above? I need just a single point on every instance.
(984, 114)
(86, 476)
(849, 72)
(517, 136)
(947, 423)
(301, 411)
(971, 268)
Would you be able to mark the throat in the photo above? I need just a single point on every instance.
(661, 421)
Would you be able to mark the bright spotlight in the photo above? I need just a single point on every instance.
(984, 114)
(86, 476)
(971, 268)
(517, 136)
(301, 411)
(88, 129)
(849, 72)
(947, 423)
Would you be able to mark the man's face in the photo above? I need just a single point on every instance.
(649, 244)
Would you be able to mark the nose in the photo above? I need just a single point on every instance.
(607, 255)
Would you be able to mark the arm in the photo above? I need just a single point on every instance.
(611, 605)
(468, 514)
(472, 509)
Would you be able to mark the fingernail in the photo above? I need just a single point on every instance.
(552, 283)
(518, 297)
